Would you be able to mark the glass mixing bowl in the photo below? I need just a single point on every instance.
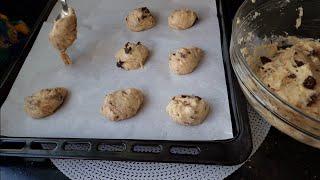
(253, 25)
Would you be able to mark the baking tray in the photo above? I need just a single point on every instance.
(223, 152)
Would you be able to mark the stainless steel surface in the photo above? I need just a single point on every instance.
(64, 11)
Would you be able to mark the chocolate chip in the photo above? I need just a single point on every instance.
(126, 18)
(284, 46)
(173, 98)
(183, 96)
(316, 52)
(174, 54)
(144, 16)
(292, 76)
(119, 64)
(199, 98)
(188, 52)
(145, 10)
(47, 91)
(310, 82)
(183, 55)
(262, 67)
(312, 99)
(124, 92)
(127, 50)
(139, 43)
(265, 60)
(126, 45)
(310, 53)
(299, 63)
(57, 97)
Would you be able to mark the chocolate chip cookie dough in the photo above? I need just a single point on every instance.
(188, 110)
(132, 56)
(290, 67)
(182, 19)
(122, 104)
(140, 19)
(185, 60)
(44, 102)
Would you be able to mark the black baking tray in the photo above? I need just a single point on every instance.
(223, 152)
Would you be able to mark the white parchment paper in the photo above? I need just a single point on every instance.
(94, 74)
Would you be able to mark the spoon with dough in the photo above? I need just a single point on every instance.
(64, 31)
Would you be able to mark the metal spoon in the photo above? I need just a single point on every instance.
(64, 11)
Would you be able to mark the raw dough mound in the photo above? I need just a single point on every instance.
(45, 102)
(188, 110)
(122, 104)
(185, 60)
(132, 56)
(182, 19)
(140, 19)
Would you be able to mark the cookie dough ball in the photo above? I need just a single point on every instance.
(182, 19)
(140, 19)
(188, 110)
(122, 104)
(132, 56)
(44, 102)
(185, 60)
